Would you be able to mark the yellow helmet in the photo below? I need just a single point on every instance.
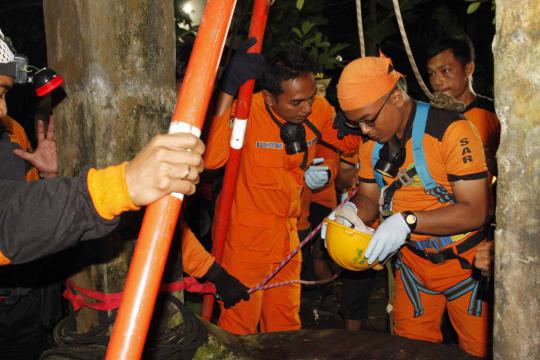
(347, 246)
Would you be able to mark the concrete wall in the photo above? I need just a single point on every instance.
(118, 61)
(517, 94)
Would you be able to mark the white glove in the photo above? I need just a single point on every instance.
(347, 215)
(388, 238)
(317, 176)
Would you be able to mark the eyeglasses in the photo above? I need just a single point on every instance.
(368, 123)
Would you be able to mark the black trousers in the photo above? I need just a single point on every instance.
(22, 335)
(357, 286)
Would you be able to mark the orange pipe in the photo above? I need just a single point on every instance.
(146, 270)
(224, 205)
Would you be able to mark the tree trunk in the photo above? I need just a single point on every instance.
(517, 251)
(117, 58)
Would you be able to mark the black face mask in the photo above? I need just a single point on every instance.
(294, 137)
(392, 154)
(391, 158)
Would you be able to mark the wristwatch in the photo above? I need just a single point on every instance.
(410, 219)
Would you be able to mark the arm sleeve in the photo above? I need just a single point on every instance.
(463, 152)
(44, 217)
(196, 261)
(365, 172)
(349, 143)
(218, 142)
(331, 158)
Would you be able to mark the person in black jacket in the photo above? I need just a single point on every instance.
(87, 206)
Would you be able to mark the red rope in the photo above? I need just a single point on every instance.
(107, 302)
(263, 284)
(302, 282)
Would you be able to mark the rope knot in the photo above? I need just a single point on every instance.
(444, 101)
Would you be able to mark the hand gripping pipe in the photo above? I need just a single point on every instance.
(224, 205)
(150, 254)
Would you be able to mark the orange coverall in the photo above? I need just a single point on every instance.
(265, 209)
(482, 114)
(453, 152)
(18, 136)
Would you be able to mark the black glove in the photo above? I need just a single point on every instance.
(244, 66)
(229, 289)
(343, 130)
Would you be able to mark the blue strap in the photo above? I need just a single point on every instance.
(374, 158)
(418, 131)
(475, 304)
(460, 289)
(413, 287)
(436, 243)
(420, 165)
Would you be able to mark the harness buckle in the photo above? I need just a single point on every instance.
(435, 257)
(404, 178)
(386, 213)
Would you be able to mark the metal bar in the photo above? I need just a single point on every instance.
(224, 205)
(146, 270)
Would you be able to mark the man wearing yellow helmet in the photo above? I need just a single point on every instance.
(423, 169)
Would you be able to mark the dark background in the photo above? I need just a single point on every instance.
(425, 20)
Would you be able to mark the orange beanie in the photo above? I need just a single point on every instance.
(365, 80)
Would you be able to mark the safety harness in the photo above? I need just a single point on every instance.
(405, 177)
(429, 249)
(413, 287)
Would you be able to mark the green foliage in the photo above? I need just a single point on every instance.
(308, 36)
(301, 23)
(382, 27)
(473, 7)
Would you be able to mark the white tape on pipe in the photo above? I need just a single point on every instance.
(183, 127)
(239, 130)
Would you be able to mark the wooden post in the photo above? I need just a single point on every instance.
(517, 250)
(117, 59)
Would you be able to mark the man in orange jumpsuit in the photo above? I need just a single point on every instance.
(285, 123)
(450, 66)
(433, 218)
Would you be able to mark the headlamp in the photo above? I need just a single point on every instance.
(43, 80)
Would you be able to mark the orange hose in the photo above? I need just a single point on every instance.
(152, 248)
(224, 205)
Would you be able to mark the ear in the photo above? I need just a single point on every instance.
(268, 98)
(469, 69)
(398, 98)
